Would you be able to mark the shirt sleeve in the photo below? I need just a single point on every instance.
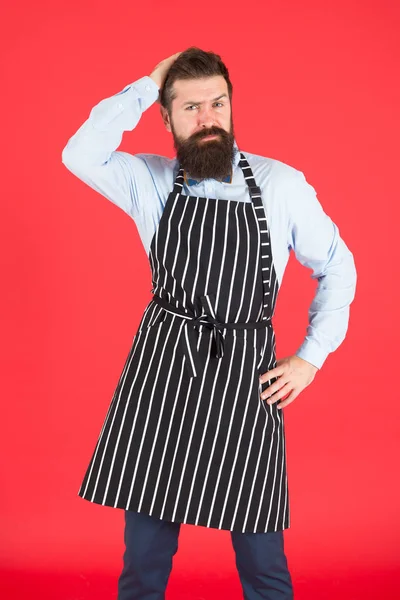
(317, 244)
(91, 154)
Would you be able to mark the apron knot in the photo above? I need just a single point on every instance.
(190, 341)
(189, 337)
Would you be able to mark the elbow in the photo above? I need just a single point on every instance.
(69, 157)
(66, 156)
(74, 151)
(344, 268)
(72, 159)
(352, 273)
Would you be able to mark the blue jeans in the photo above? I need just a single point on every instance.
(150, 544)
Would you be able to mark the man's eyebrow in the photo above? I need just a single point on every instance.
(192, 102)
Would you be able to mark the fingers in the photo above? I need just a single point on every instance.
(292, 376)
(288, 400)
(281, 393)
(277, 372)
(160, 71)
(275, 387)
(172, 58)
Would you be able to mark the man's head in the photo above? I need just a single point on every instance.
(196, 101)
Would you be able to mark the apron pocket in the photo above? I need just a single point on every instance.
(153, 320)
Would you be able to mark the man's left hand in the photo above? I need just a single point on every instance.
(294, 374)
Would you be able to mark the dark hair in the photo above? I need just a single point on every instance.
(193, 63)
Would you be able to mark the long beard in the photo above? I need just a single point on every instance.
(206, 159)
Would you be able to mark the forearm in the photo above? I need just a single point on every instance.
(317, 244)
(101, 134)
(329, 311)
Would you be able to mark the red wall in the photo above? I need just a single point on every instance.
(316, 86)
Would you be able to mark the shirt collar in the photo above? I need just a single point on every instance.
(227, 179)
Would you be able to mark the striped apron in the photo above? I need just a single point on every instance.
(187, 437)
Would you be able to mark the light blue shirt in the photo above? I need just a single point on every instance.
(140, 184)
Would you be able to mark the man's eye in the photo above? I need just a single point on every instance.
(189, 107)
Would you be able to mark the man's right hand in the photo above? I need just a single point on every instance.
(160, 71)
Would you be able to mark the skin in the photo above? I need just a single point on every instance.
(205, 113)
(293, 373)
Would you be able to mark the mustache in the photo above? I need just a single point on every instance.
(206, 132)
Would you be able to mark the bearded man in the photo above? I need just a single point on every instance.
(195, 429)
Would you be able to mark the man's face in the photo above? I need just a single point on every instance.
(202, 108)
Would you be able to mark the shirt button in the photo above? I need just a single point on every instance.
(119, 105)
(147, 88)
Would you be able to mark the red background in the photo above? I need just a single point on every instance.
(315, 86)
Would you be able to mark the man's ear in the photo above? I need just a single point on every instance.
(165, 118)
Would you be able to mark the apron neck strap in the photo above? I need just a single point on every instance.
(255, 191)
(179, 180)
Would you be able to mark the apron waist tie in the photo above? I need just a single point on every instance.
(189, 338)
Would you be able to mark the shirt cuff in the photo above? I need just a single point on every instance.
(312, 353)
(147, 89)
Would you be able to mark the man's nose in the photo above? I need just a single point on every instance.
(206, 119)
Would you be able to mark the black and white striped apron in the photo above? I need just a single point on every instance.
(187, 437)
